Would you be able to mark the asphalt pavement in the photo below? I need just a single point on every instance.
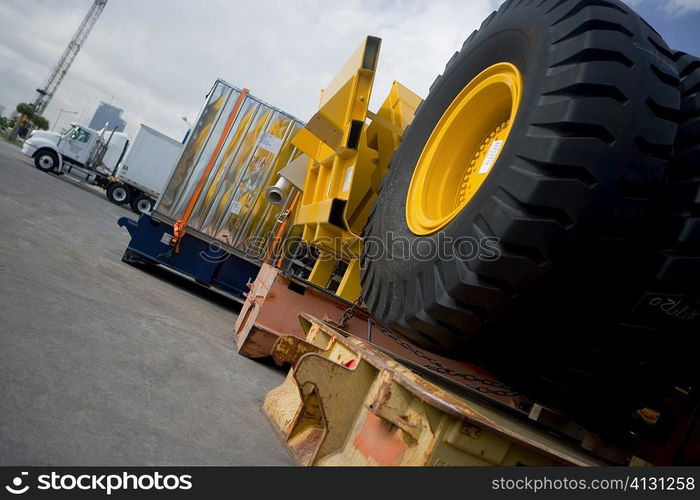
(102, 363)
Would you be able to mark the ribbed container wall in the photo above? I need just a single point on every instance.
(232, 208)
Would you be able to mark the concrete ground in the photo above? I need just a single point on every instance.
(102, 363)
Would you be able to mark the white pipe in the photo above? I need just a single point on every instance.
(279, 192)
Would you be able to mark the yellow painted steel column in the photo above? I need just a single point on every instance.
(323, 270)
(350, 287)
(347, 160)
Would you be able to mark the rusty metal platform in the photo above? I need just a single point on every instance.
(346, 403)
(270, 324)
(272, 307)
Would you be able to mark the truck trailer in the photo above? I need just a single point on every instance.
(142, 175)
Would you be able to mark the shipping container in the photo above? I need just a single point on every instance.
(216, 193)
(232, 208)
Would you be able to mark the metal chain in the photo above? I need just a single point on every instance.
(499, 389)
(349, 312)
(436, 366)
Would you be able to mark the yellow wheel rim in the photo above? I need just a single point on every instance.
(463, 148)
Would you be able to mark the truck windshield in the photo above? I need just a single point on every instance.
(77, 134)
(81, 135)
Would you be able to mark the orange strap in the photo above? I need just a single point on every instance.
(278, 234)
(180, 226)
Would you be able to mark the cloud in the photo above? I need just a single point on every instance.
(672, 8)
(158, 59)
(681, 7)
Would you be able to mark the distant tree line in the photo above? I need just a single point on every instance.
(25, 120)
(37, 120)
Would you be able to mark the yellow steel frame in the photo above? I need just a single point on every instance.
(346, 403)
(347, 160)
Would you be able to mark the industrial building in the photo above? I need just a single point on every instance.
(107, 115)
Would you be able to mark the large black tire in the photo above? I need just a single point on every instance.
(676, 298)
(570, 201)
(118, 193)
(46, 160)
(684, 174)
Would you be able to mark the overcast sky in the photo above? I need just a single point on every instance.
(157, 59)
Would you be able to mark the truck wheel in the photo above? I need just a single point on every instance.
(142, 204)
(46, 160)
(118, 193)
(515, 218)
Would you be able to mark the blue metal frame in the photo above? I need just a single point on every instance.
(207, 264)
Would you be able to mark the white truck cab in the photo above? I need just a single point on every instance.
(76, 147)
(130, 173)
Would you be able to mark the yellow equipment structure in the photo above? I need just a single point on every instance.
(346, 403)
(356, 393)
(346, 161)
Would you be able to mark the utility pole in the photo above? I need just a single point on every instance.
(47, 91)
(59, 117)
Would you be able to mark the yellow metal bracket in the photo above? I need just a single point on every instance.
(347, 160)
